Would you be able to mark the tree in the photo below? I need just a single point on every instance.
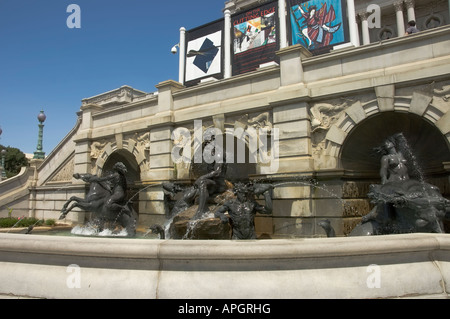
(15, 159)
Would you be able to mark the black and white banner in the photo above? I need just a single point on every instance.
(204, 52)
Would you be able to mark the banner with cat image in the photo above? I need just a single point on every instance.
(318, 25)
(255, 38)
(204, 53)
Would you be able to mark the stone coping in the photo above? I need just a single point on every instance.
(395, 266)
(224, 249)
(36, 229)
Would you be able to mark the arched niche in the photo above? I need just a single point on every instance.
(428, 144)
(133, 172)
(128, 159)
(241, 167)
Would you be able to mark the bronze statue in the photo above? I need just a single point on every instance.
(212, 182)
(189, 221)
(404, 202)
(244, 207)
(106, 199)
(172, 206)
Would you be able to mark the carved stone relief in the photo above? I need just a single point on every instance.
(142, 141)
(65, 173)
(323, 116)
(97, 149)
(443, 92)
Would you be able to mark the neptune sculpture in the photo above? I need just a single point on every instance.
(403, 202)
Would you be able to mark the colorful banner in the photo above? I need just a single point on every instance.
(318, 25)
(204, 53)
(255, 38)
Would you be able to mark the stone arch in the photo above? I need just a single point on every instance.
(428, 144)
(363, 125)
(133, 174)
(235, 171)
(128, 153)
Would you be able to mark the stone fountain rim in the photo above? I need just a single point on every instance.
(408, 265)
(223, 249)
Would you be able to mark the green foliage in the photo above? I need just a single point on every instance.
(15, 159)
(9, 222)
(50, 222)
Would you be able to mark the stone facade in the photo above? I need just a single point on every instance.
(329, 111)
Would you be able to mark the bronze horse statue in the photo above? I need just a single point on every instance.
(106, 199)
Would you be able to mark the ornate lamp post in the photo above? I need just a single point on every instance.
(2, 168)
(39, 154)
(3, 165)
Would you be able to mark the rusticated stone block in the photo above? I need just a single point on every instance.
(356, 208)
(348, 224)
(355, 189)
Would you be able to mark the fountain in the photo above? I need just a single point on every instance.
(200, 212)
(404, 202)
(192, 218)
(366, 267)
(215, 208)
(329, 110)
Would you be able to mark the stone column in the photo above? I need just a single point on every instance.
(160, 156)
(353, 26)
(161, 166)
(410, 9)
(292, 206)
(227, 44)
(294, 128)
(283, 28)
(161, 169)
(364, 27)
(182, 55)
(400, 21)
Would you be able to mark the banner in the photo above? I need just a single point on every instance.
(204, 53)
(318, 25)
(255, 38)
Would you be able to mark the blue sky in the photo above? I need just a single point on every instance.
(46, 65)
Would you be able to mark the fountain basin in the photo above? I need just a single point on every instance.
(410, 265)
